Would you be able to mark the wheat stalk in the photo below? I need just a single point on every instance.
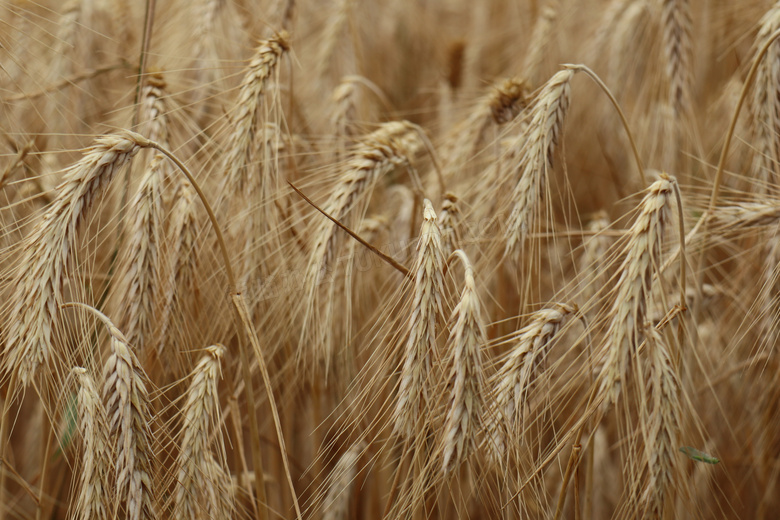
(765, 102)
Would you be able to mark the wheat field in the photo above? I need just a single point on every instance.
(355, 259)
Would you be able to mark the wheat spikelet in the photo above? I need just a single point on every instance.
(676, 20)
(95, 495)
(511, 383)
(196, 494)
(414, 392)
(538, 145)
(127, 401)
(467, 336)
(48, 252)
(664, 421)
(765, 102)
(335, 506)
(633, 292)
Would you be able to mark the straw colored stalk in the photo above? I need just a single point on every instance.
(335, 506)
(467, 336)
(634, 287)
(512, 382)
(414, 387)
(48, 253)
(95, 494)
(197, 487)
(766, 103)
(537, 145)
(663, 428)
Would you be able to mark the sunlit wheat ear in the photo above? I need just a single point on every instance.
(741, 217)
(537, 145)
(335, 506)
(48, 253)
(95, 493)
(678, 50)
(510, 385)
(141, 269)
(765, 104)
(450, 224)
(664, 419)
(196, 492)
(464, 345)
(181, 284)
(426, 311)
(634, 287)
(543, 30)
(127, 402)
(243, 122)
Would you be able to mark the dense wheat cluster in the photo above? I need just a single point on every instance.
(357, 259)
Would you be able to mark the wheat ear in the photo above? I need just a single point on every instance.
(413, 391)
(140, 274)
(342, 482)
(465, 385)
(127, 402)
(48, 252)
(95, 494)
(244, 116)
(634, 287)
(676, 19)
(664, 421)
(765, 102)
(537, 145)
(196, 495)
(511, 383)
